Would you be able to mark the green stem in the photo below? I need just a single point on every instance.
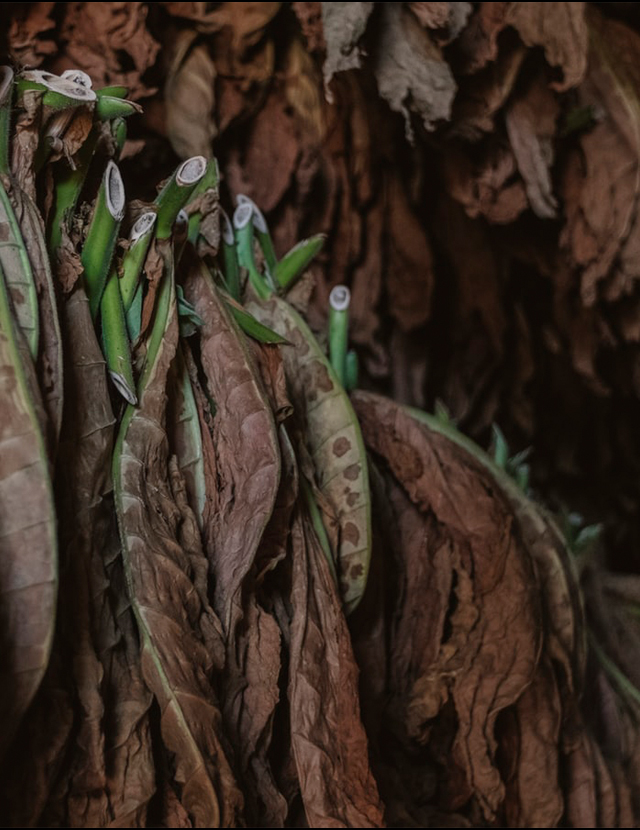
(6, 91)
(262, 233)
(67, 188)
(294, 263)
(133, 261)
(209, 181)
(230, 257)
(243, 227)
(339, 301)
(115, 341)
(351, 371)
(100, 243)
(175, 194)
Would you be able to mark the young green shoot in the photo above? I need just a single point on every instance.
(294, 263)
(339, 301)
(262, 233)
(208, 182)
(100, 243)
(230, 256)
(108, 107)
(139, 240)
(176, 192)
(115, 341)
(243, 227)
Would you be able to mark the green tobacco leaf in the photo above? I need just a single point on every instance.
(29, 560)
(247, 459)
(250, 326)
(333, 440)
(166, 574)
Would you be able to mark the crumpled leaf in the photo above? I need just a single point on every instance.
(26, 44)
(531, 127)
(560, 29)
(97, 37)
(412, 75)
(446, 20)
(329, 743)
(28, 570)
(343, 25)
(167, 579)
(483, 587)
(601, 179)
(333, 441)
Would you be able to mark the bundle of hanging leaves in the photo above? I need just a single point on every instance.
(233, 589)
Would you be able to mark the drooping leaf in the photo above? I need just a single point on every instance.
(166, 575)
(248, 461)
(328, 739)
(111, 774)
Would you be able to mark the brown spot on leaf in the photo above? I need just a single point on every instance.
(352, 498)
(352, 472)
(356, 571)
(351, 533)
(321, 377)
(341, 446)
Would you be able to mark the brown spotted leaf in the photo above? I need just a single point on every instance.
(333, 441)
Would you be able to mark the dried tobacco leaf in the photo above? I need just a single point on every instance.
(166, 574)
(333, 441)
(247, 458)
(110, 42)
(412, 75)
(244, 458)
(328, 739)
(29, 563)
(343, 26)
(472, 568)
(110, 774)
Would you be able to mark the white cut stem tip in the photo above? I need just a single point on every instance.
(340, 298)
(191, 171)
(114, 191)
